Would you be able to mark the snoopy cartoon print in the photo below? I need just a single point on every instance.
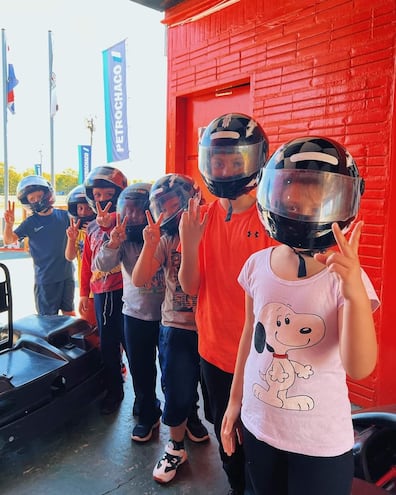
(278, 331)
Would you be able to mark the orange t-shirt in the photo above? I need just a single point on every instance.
(224, 248)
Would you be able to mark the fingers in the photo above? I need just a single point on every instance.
(11, 206)
(343, 244)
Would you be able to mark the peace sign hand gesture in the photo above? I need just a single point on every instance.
(152, 232)
(345, 262)
(72, 230)
(103, 218)
(9, 214)
(118, 235)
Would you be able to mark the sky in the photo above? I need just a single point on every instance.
(81, 30)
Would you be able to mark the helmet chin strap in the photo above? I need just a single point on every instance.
(229, 211)
(302, 269)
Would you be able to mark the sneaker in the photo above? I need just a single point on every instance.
(143, 433)
(196, 431)
(111, 403)
(166, 468)
(124, 371)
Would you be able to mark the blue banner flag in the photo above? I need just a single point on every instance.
(84, 161)
(115, 96)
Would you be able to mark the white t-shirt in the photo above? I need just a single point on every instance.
(295, 396)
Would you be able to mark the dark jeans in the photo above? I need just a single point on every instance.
(108, 311)
(179, 361)
(141, 343)
(216, 385)
(276, 472)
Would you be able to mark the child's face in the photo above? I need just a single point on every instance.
(302, 199)
(35, 196)
(170, 206)
(135, 214)
(225, 165)
(103, 193)
(84, 210)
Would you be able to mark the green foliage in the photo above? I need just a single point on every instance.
(64, 182)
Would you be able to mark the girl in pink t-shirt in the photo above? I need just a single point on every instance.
(308, 324)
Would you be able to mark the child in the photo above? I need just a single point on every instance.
(80, 214)
(103, 186)
(232, 151)
(308, 324)
(54, 284)
(142, 306)
(178, 351)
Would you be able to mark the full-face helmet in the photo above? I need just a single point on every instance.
(75, 197)
(33, 183)
(104, 177)
(231, 152)
(170, 195)
(133, 203)
(306, 185)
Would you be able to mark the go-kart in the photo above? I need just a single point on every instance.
(375, 447)
(50, 367)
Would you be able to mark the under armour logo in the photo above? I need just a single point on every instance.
(252, 234)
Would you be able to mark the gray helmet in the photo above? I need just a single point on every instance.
(32, 183)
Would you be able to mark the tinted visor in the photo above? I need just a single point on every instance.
(309, 195)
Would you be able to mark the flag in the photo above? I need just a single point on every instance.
(52, 79)
(12, 81)
(54, 98)
(115, 93)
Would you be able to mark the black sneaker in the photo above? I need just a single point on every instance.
(111, 403)
(196, 430)
(143, 433)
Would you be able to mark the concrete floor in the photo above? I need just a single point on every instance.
(93, 454)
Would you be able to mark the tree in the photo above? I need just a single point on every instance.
(66, 181)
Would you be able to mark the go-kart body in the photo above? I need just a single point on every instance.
(50, 367)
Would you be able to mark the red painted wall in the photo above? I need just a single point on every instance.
(313, 67)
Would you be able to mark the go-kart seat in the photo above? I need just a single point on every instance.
(57, 330)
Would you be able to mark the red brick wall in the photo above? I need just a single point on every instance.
(315, 67)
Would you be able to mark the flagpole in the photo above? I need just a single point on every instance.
(50, 59)
(5, 92)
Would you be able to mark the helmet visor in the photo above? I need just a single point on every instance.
(227, 163)
(134, 210)
(309, 195)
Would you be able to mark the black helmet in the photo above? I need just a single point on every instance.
(170, 195)
(103, 177)
(77, 196)
(329, 190)
(32, 183)
(238, 135)
(133, 203)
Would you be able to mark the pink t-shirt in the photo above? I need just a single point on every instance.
(295, 395)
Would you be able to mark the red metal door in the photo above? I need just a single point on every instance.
(199, 111)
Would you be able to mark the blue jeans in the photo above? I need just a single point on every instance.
(179, 361)
(108, 311)
(141, 342)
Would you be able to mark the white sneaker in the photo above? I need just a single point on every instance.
(165, 469)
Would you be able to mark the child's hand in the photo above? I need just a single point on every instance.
(72, 230)
(9, 214)
(191, 227)
(103, 218)
(152, 232)
(231, 429)
(118, 235)
(345, 262)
